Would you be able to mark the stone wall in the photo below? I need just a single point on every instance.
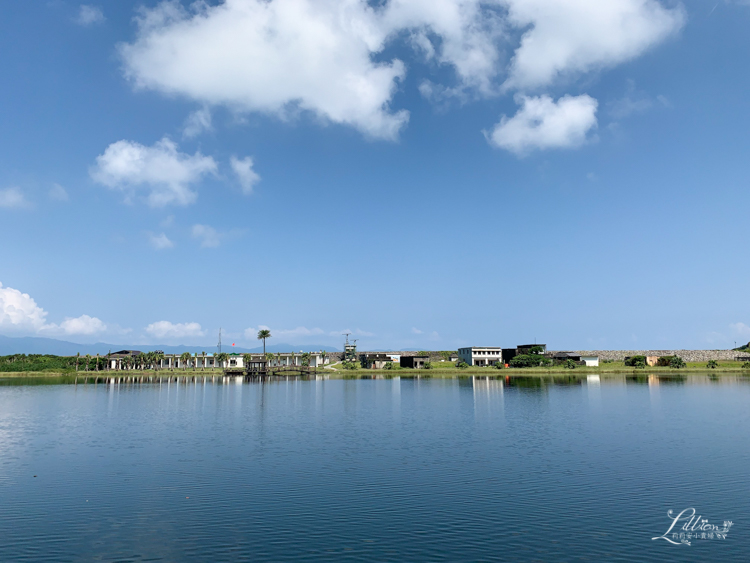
(687, 355)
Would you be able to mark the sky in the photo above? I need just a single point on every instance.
(423, 174)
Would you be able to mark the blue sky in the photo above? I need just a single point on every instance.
(424, 175)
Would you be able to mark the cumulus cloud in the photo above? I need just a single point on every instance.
(415, 330)
(542, 123)
(197, 122)
(327, 57)
(270, 57)
(13, 198)
(208, 236)
(19, 312)
(166, 329)
(164, 172)
(58, 193)
(159, 241)
(89, 15)
(741, 329)
(565, 38)
(243, 168)
(83, 325)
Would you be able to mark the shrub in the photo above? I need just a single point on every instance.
(499, 365)
(677, 363)
(746, 365)
(712, 364)
(664, 361)
(569, 364)
(635, 361)
(529, 361)
(427, 365)
(462, 365)
(349, 365)
(388, 365)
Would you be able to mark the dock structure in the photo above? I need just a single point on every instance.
(261, 368)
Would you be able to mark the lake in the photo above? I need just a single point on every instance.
(469, 469)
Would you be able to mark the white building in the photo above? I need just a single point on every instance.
(591, 361)
(209, 361)
(480, 356)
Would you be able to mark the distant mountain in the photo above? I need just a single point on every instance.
(34, 345)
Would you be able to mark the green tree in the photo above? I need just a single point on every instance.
(712, 364)
(446, 355)
(78, 357)
(158, 358)
(262, 335)
(204, 361)
(222, 358)
(88, 359)
(246, 359)
(677, 363)
(427, 365)
(462, 365)
(185, 359)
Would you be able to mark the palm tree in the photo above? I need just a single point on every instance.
(158, 357)
(262, 335)
(88, 359)
(185, 358)
(278, 358)
(323, 356)
(78, 357)
(291, 359)
(246, 359)
(222, 358)
(204, 361)
(269, 357)
(108, 361)
(97, 362)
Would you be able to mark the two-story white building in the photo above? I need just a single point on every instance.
(480, 356)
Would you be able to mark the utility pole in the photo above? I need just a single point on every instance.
(219, 345)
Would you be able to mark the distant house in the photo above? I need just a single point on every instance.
(591, 361)
(563, 356)
(480, 356)
(374, 360)
(413, 362)
(523, 349)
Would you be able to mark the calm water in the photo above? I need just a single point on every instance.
(373, 470)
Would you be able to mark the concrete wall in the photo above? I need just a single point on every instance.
(687, 355)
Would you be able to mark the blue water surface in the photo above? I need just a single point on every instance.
(396, 469)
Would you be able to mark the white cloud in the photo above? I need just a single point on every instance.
(197, 122)
(166, 329)
(89, 15)
(19, 312)
(415, 330)
(272, 57)
(161, 169)
(576, 36)
(207, 235)
(542, 123)
(243, 168)
(13, 198)
(741, 329)
(84, 325)
(58, 193)
(159, 241)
